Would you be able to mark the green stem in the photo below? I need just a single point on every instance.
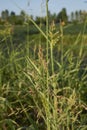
(52, 64)
(47, 31)
(47, 28)
(61, 30)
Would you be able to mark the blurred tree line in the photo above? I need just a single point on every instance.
(62, 16)
(12, 18)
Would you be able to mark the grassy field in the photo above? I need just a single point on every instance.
(43, 77)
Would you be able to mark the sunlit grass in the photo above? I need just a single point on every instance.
(43, 87)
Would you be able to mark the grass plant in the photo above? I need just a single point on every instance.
(43, 88)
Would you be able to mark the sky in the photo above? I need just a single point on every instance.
(37, 7)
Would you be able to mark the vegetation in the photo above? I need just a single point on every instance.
(74, 17)
(43, 76)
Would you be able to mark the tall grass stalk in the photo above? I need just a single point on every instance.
(47, 33)
(47, 27)
(53, 40)
(62, 53)
(61, 31)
